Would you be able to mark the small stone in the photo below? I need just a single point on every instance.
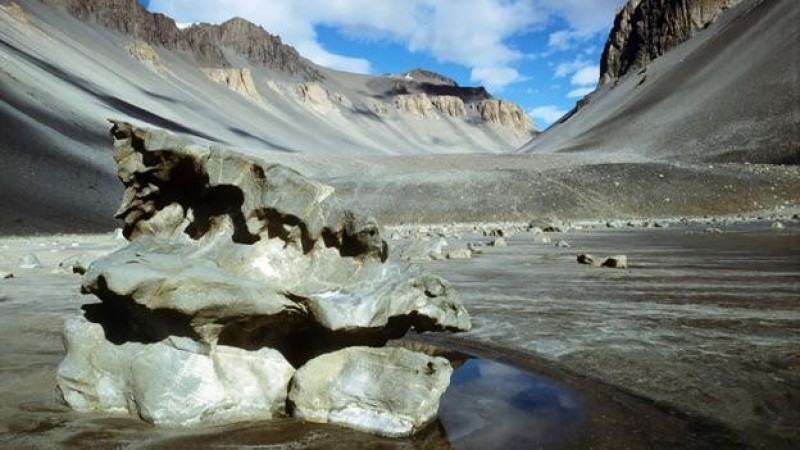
(475, 248)
(499, 242)
(776, 225)
(586, 258)
(713, 230)
(616, 262)
(29, 261)
(562, 244)
(551, 229)
(6, 275)
(459, 253)
(76, 264)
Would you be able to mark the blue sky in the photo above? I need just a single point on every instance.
(540, 54)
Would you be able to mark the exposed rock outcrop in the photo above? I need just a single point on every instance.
(232, 256)
(450, 106)
(147, 55)
(646, 29)
(16, 11)
(505, 114)
(239, 80)
(415, 104)
(315, 96)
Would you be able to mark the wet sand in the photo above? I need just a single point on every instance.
(694, 346)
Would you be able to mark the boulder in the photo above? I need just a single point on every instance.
(29, 261)
(616, 262)
(234, 262)
(459, 253)
(76, 264)
(391, 391)
(586, 258)
(175, 381)
(499, 242)
(422, 250)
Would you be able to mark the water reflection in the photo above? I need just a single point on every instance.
(493, 405)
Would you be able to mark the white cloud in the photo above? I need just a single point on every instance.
(584, 16)
(586, 76)
(473, 34)
(580, 92)
(565, 68)
(546, 115)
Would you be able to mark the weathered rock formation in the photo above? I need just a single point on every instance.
(239, 80)
(415, 104)
(239, 271)
(646, 29)
(147, 55)
(505, 114)
(315, 96)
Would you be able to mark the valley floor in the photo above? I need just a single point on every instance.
(702, 324)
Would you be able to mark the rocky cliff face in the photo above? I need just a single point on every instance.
(646, 29)
(207, 42)
(505, 114)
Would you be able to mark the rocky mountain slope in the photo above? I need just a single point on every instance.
(692, 80)
(68, 65)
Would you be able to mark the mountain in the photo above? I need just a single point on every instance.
(68, 65)
(692, 80)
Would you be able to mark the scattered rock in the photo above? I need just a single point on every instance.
(499, 242)
(542, 239)
(391, 391)
(6, 275)
(496, 232)
(562, 243)
(475, 248)
(713, 230)
(616, 262)
(29, 261)
(76, 264)
(422, 250)
(536, 230)
(459, 253)
(776, 225)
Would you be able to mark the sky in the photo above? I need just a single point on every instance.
(541, 54)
